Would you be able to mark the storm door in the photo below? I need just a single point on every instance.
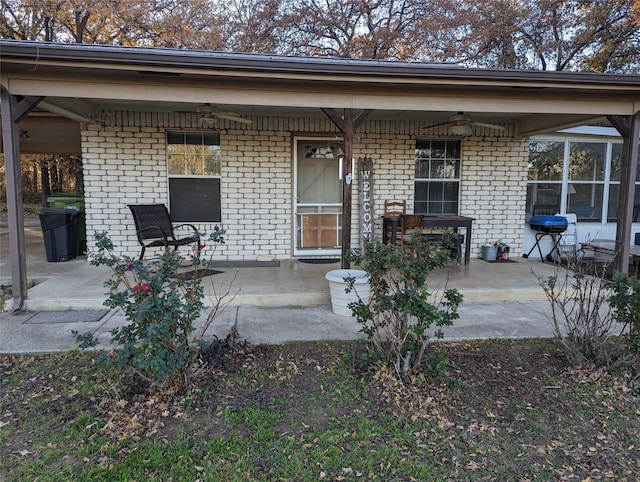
(318, 218)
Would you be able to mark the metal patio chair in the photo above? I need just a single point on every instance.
(155, 229)
(545, 209)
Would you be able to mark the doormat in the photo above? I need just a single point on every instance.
(246, 264)
(201, 273)
(500, 260)
(67, 316)
(319, 260)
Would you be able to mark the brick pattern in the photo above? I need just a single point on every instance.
(393, 169)
(122, 165)
(125, 163)
(493, 189)
(257, 206)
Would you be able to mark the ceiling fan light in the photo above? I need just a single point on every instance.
(462, 130)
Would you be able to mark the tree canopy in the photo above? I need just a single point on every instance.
(577, 35)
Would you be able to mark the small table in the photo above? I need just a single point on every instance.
(609, 247)
(454, 222)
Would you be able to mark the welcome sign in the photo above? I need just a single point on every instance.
(365, 168)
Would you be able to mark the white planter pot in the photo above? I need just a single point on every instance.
(340, 299)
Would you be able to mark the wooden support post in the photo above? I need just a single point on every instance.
(347, 177)
(12, 113)
(15, 215)
(347, 125)
(629, 129)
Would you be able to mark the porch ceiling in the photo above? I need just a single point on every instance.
(48, 133)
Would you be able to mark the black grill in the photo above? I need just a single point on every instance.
(547, 226)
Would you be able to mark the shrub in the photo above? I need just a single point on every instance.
(161, 306)
(401, 313)
(625, 302)
(591, 315)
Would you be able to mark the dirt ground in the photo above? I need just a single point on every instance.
(495, 400)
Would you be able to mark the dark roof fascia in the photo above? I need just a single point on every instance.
(197, 59)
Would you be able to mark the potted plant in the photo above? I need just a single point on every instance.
(490, 250)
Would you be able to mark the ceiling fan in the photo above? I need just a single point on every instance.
(462, 125)
(208, 114)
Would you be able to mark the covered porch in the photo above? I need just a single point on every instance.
(126, 106)
(76, 284)
(276, 304)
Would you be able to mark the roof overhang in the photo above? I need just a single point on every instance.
(80, 80)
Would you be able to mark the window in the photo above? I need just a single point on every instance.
(614, 187)
(193, 164)
(576, 176)
(586, 179)
(437, 176)
(546, 160)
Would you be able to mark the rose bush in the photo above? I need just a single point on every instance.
(161, 306)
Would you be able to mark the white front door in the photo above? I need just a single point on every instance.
(318, 218)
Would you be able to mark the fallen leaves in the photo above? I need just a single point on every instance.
(514, 404)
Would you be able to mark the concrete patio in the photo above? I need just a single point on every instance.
(271, 304)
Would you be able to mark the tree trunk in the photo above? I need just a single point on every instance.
(44, 179)
(79, 175)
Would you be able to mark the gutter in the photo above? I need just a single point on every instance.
(137, 57)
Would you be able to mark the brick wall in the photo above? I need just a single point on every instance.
(125, 163)
(257, 187)
(122, 165)
(393, 170)
(493, 189)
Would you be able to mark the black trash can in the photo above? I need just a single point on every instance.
(60, 231)
(72, 201)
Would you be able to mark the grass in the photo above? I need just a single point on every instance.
(302, 412)
(30, 209)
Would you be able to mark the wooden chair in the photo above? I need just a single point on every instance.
(391, 209)
(155, 229)
(395, 208)
(409, 224)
